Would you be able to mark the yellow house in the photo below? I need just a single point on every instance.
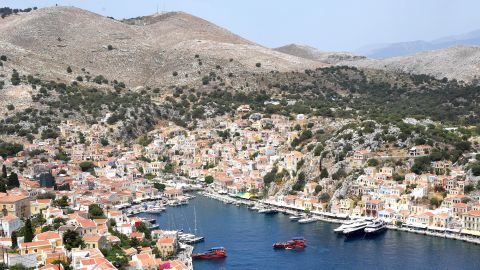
(17, 205)
(167, 246)
(38, 205)
(37, 247)
(95, 241)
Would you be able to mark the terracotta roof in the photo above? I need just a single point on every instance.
(47, 236)
(474, 213)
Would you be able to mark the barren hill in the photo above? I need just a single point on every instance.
(312, 53)
(459, 62)
(142, 51)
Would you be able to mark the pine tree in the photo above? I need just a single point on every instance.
(13, 180)
(14, 240)
(28, 233)
(4, 172)
(3, 186)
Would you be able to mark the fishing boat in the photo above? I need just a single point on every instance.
(296, 242)
(213, 253)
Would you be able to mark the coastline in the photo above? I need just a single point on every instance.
(289, 210)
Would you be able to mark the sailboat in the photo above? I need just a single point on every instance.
(189, 238)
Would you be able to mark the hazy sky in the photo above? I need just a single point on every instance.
(333, 25)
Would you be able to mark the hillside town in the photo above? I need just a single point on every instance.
(62, 198)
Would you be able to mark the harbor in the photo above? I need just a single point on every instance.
(248, 236)
(300, 216)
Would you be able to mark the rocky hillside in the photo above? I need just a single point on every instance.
(460, 62)
(312, 53)
(164, 49)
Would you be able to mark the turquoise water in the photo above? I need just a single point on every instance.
(248, 238)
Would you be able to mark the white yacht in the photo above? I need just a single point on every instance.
(294, 217)
(356, 229)
(376, 227)
(346, 225)
(306, 220)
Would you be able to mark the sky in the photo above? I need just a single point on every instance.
(331, 25)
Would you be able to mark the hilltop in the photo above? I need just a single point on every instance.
(162, 49)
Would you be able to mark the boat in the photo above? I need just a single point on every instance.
(294, 218)
(213, 253)
(155, 210)
(307, 220)
(346, 225)
(356, 229)
(296, 242)
(376, 227)
(268, 211)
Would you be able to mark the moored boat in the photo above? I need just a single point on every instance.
(213, 253)
(307, 220)
(357, 229)
(376, 227)
(296, 242)
(268, 211)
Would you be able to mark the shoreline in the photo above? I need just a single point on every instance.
(289, 210)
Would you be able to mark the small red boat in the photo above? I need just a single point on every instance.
(296, 242)
(213, 253)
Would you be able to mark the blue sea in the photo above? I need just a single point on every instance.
(248, 238)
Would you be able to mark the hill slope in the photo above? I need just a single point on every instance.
(312, 53)
(143, 51)
(460, 62)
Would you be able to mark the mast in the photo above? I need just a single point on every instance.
(195, 219)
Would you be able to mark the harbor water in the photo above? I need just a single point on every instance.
(248, 237)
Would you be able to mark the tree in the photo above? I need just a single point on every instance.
(86, 166)
(209, 179)
(110, 47)
(372, 162)
(159, 186)
(434, 201)
(62, 202)
(13, 180)
(144, 229)
(323, 173)
(3, 186)
(69, 69)
(324, 197)
(28, 231)
(3, 58)
(71, 239)
(95, 211)
(14, 240)
(4, 171)
(258, 65)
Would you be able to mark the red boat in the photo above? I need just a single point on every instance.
(297, 242)
(213, 253)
